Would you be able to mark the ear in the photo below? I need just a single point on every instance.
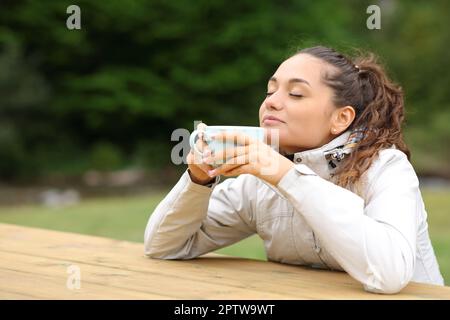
(341, 119)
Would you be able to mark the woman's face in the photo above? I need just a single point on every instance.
(298, 97)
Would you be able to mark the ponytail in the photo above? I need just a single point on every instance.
(378, 102)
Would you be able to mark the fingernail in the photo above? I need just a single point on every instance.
(211, 173)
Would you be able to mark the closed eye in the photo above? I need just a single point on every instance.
(268, 94)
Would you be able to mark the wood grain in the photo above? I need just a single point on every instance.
(34, 264)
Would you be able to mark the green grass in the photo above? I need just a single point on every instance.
(437, 204)
(121, 218)
(125, 218)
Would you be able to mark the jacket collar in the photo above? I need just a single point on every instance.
(319, 159)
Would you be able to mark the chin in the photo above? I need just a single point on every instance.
(271, 131)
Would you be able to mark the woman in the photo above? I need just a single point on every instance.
(344, 195)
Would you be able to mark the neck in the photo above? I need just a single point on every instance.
(291, 150)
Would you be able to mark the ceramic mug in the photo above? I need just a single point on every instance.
(256, 133)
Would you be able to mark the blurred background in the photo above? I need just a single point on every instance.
(86, 115)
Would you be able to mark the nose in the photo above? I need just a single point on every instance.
(274, 101)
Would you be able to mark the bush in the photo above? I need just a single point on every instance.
(106, 157)
(12, 153)
(152, 154)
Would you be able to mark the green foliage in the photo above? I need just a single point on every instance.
(22, 92)
(152, 154)
(12, 154)
(138, 70)
(105, 157)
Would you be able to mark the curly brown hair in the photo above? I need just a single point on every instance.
(361, 82)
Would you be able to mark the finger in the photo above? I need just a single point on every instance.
(201, 126)
(236, 161)
(206, 168)
(237, 170)
(204, 151)
(202, 145)
(198, 154)
(231, 164)
(226, 154)
(236, 137)
(195, 158)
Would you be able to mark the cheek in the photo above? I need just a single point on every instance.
(302, 118)
(261, 108)
(309, 122)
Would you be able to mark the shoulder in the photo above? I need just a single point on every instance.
(390, 169)
(390, 159)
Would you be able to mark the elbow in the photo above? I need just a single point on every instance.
(155, 252)
(150, 250)
(388, 272)
(164, 255)
(388, 286)
(391, 281)
(164, 252)
(166, 247)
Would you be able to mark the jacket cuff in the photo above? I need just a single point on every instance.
(200, 187)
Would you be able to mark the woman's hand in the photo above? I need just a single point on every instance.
(250, 156)
(198, 171)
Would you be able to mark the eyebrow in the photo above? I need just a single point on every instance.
(293, 80)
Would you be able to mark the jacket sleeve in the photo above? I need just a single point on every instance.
(374, 241)
(194, 219)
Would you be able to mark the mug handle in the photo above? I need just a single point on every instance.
(192, 141)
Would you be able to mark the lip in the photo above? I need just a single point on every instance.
(272, 119)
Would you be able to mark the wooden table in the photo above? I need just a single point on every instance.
(34, 264)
